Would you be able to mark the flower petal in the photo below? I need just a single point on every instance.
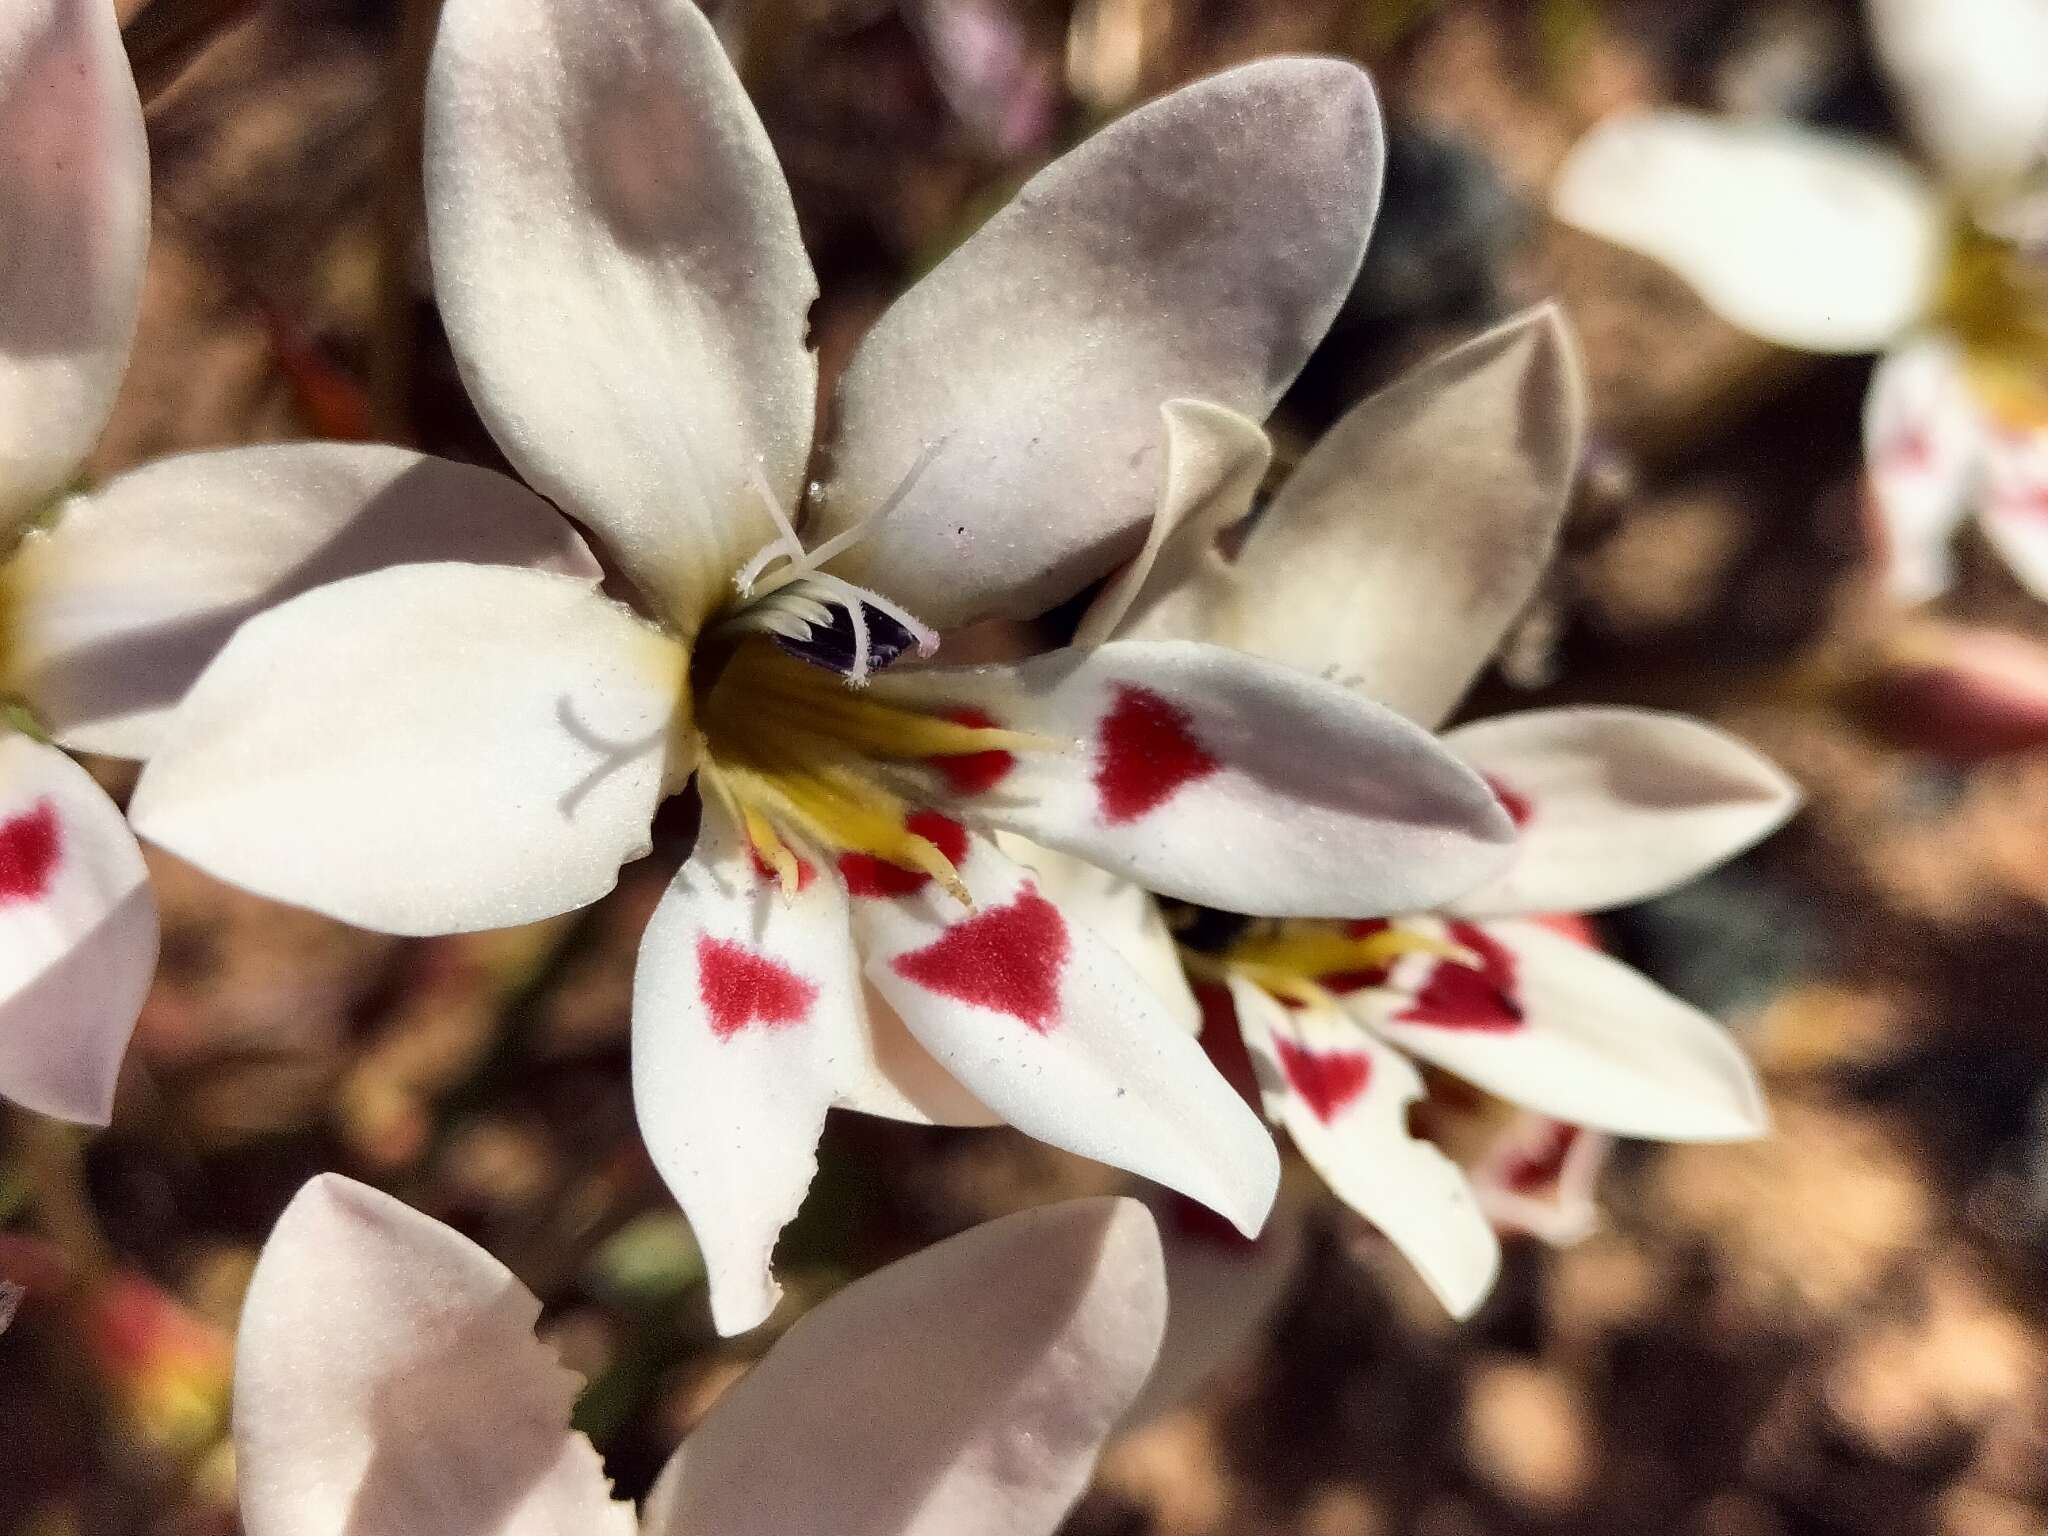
(968, 1388)
(747, 1027)
(1343, 1097)
(1613, 806)
(78, 934)
(1808, 240)
(426, 749)
(2015, 511)
(1538, 1176)
(387, 1379)
(120, 606)
(1225, 1289)
(1195, 248)
(618, 263)
(1394, 559)
(1215, 461)
(1046, 1025)
(1971, 75)
(1216, 777)
(1124, 916)
(1924, 443)
(74, 200)
(1559, 1028)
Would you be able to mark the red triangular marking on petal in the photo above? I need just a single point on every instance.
(31, 846)
(1328, 1083)
(1517, 806)
(1478, 997)
(1532, 1169)
(741, 987)
(1149, 753)
(974, 773)
(866, 875)
(1007, 960)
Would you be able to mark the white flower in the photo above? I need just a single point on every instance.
(1828, 243)
(458, 746)
(1393, 559)
(388, 1382)
(110, 603)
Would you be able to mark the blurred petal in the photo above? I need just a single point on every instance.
(967, 1389)
(1124, 916)
(1972, 77)
(1397, 555)
(1195, 248)
(1923, 448)
(387, 1381)
(1808, 240)
(1962, 693)
(1215, 777)
(74, 200)
(618, 263)
(1613, 806)
(1225, 1289)
(1544, 1022)
(2015, 511)
(118, 608)
(78, 934)
(427, 749)
(1045, 1024)
(747, 1027)
(1215, 460)
(1538, 1177)
(1343, 1097)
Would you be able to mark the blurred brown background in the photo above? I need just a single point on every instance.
(1836, 1330)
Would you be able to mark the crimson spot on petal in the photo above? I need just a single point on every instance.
(1460, 996)
(1007, 960)
(1533, 1169)
(31, 845)
(866, 875)
(1149, 753)
(805, 874)
(1329, 1083)
(974, 773)
(740, 987)
(1517, 806)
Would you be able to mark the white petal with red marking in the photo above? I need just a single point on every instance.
(1804, 238)
(1212, 776)
(1046, 1025)
(1395, 557)
(74, 202)
(1544, 1022)
(387, 1379)
(618, 262)
(1343, 1097)
(1124, 916)
(121, 604)
(2015, 511)
(1195, 248)
(78, 934)
(1924, 445)
(427, 749)
(1539, 1176)
(965, 1391)
(1613, 806)
(747, 1027)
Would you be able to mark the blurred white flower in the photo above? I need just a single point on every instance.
(1393, 560)
(457, 746)
(1826, 243)
(388, 1381)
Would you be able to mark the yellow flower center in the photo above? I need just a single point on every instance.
(1298, 959)
(793, 753)
(1994, 299)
